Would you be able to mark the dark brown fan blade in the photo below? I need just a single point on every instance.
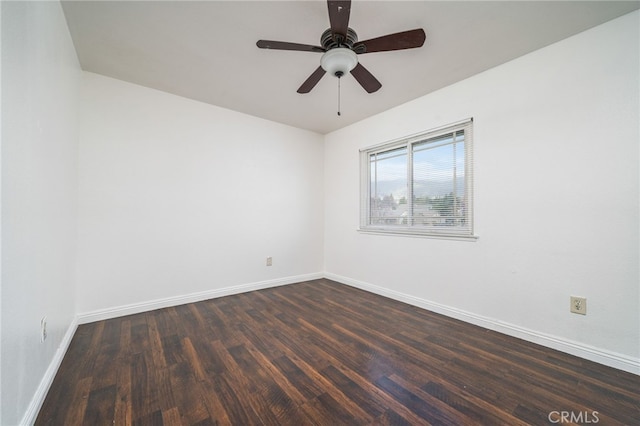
(366, 79)
(339, 12)
(311, 82)
(398, 41)
(284, 45)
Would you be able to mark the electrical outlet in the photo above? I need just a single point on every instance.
(43, 329)
(269, 261)
(579, 305)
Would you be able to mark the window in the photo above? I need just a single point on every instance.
(420, 185)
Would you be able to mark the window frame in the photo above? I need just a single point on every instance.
(407, 142)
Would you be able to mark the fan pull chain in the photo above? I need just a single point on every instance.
(338, 96)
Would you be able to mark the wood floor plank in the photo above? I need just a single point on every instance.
(270, 395)
(235, 409)
(474, 408)
(322, 353)
(237, 387)
(422, 408)
(171, 417)
(212, 400)
(302, 383)
(122, 412)
(155, 342)
(101, 406)
(143, 391)
(266, 393)
(75, 414)
(275, 374)
(361, 397)
(391, 418)
(186, 394)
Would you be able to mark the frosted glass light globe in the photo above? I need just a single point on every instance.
(339, 61)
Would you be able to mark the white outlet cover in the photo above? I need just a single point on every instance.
(578, 305)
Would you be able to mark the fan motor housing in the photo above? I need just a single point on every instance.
(328, 41)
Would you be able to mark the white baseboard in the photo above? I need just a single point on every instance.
(136, 308)
(601, 356)
(33, 409)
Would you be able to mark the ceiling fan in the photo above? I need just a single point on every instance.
(340, 47)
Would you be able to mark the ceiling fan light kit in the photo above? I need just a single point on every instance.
(339, 61)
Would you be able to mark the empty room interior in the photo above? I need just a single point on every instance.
(312, 212)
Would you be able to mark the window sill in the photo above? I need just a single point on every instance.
(417, 234)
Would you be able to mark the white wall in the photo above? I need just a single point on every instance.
(179, 197)
(40, 80)
(556, 199)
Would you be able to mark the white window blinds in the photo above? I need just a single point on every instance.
(421, 185)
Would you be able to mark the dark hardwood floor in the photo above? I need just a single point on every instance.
(323, 353)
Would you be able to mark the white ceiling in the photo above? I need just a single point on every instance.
(205, 50)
